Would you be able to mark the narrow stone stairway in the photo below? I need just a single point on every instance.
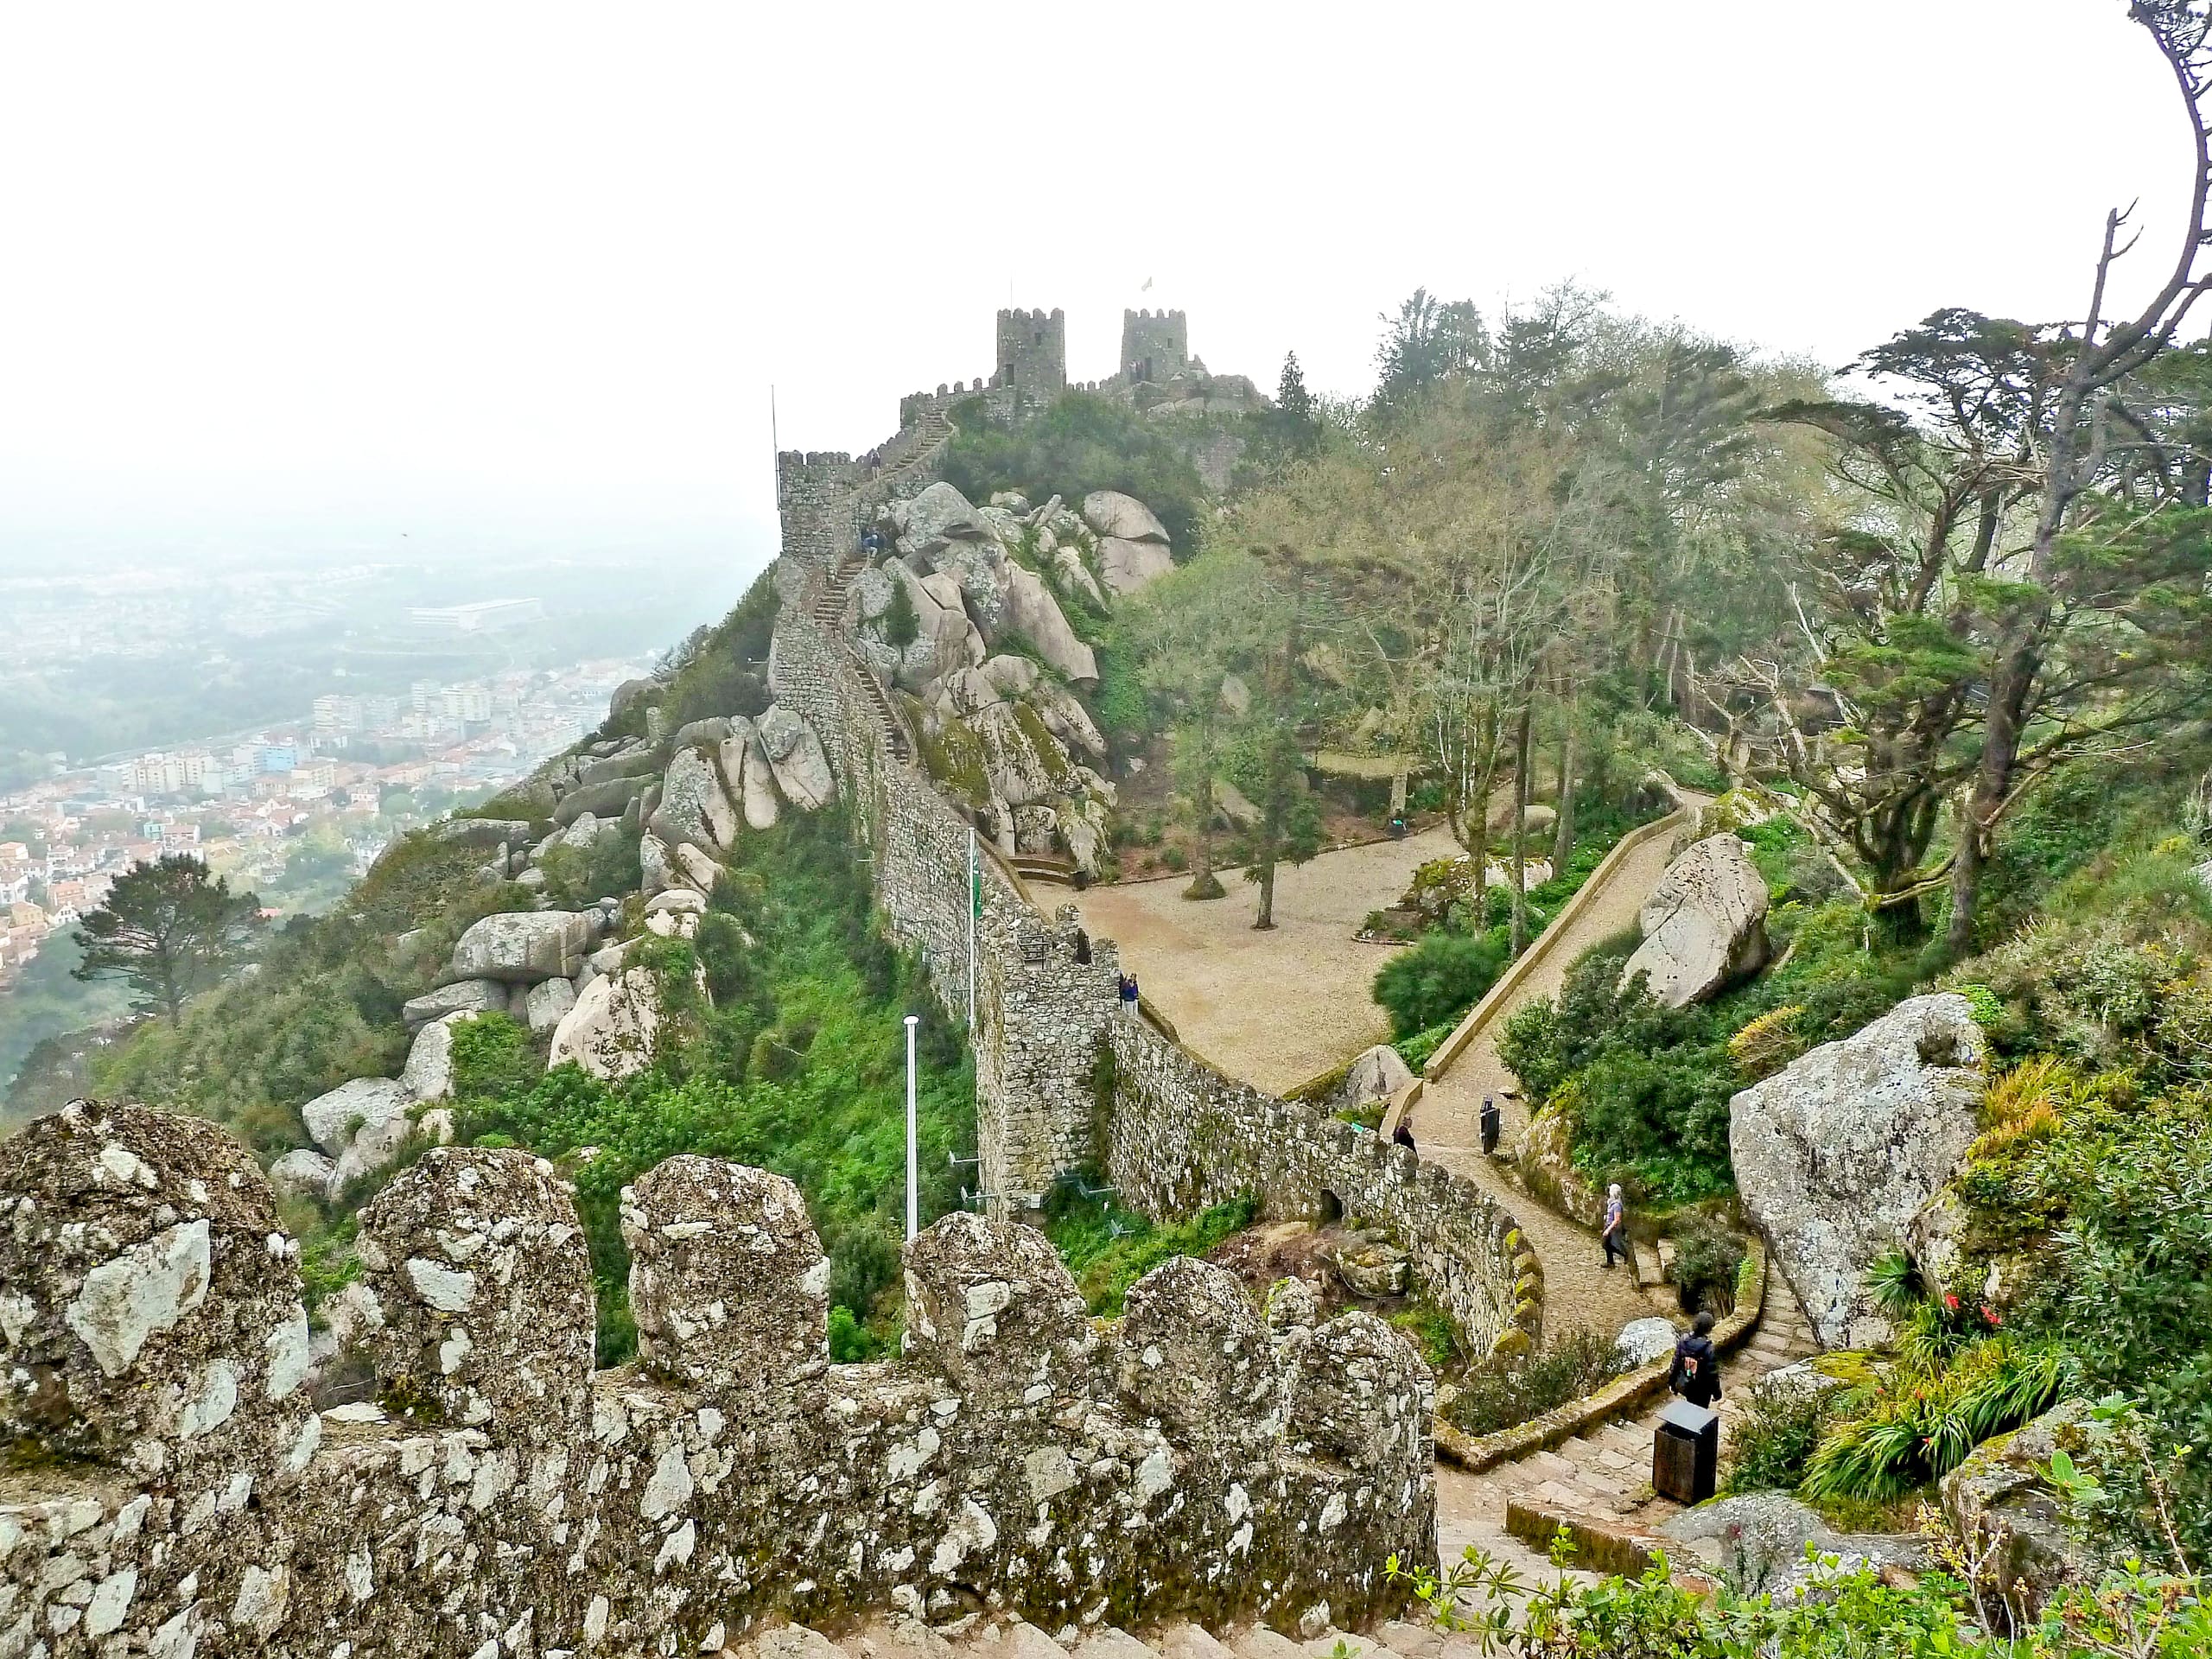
(1604, 1474)
(828, 610)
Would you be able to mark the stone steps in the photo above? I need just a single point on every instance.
(978, 1637)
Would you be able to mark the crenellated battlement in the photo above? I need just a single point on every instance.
(1031, 355)
(1156, 346)
(1193, 1460)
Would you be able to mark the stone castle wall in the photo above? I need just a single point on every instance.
(1181, 1136)
(1063, 1082)
(1042, 1016)
(170, 1490)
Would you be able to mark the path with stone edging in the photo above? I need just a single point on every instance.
(1579, 1290)
(1274, 1009)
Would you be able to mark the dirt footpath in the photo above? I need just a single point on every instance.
(1273, 1009)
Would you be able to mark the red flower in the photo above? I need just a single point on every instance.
(1993, 1316)
(1951, 1300)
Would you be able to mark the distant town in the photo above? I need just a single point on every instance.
(293, 811)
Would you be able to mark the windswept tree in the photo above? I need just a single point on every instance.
(168, 928)
(1196, 636)
(2051, 589)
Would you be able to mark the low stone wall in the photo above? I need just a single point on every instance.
(170, 1490)
(1181, 1136)
(1623, 1396)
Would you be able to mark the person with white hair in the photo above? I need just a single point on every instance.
(1614, 1236)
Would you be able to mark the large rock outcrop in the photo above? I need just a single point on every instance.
(2002, 1506)
(1703, 924)
(1835, 1154)
(613, 1026)
(522, 947)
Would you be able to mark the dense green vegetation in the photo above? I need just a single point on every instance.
(1083, 442)
(785, 1050)
(2135, 1611)
(1110, 1249)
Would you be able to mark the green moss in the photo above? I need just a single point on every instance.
(955, 760)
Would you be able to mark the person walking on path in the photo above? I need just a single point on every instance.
(1403, 1135)
(1614, 1236)
(1129, 994)
(1696, 1372)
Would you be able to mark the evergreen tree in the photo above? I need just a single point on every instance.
(168, 928)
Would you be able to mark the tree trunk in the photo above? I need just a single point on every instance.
(1480, 849)
(1563, 831)
(1520, 826)
(1993, 781)
(1203, 883)
(1270, 836)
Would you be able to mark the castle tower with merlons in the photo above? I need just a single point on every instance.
(1032, 353)
(1156, 346)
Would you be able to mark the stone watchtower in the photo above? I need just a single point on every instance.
(1156, 346)
(1032, 353)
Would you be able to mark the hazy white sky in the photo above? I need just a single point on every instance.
(483, 273)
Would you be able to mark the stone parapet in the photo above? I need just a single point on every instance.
(504, 1499)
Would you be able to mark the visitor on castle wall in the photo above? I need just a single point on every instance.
(1696, 1374)
(1615, 1233)
(1129, 994)
(1403, 1135)
(1082, 946)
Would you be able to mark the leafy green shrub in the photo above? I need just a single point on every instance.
(1914, 1426)
(1506, 1392)
(1775, 1435)
(1438, 980)
(901, 623)
(1708, 1258)
(1109, 1250)
(492, 1056)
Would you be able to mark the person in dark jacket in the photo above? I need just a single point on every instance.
(1403, 1135)
(1696, 1373)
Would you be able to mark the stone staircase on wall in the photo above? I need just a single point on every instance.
(828, 610)
(975, 1637)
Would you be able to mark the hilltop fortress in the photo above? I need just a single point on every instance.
(175, 1489)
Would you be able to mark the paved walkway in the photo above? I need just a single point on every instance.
(1278, 1008)
(1578, 1289)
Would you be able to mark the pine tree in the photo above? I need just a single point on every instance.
(168, 927)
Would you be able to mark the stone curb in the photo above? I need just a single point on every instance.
(1586, 895)
(1599, 1546)
(1623, 1396)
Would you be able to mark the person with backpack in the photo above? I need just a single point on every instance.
(1696, 1374)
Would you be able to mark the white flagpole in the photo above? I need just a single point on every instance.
(973, 896)
(913, 1158)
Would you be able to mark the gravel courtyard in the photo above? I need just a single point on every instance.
(1273, 1009)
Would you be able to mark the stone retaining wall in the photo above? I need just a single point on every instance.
(170, 1490)
(1182, 1136)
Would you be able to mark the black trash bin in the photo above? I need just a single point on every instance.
(1493, 1124)
(1686, 1452)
